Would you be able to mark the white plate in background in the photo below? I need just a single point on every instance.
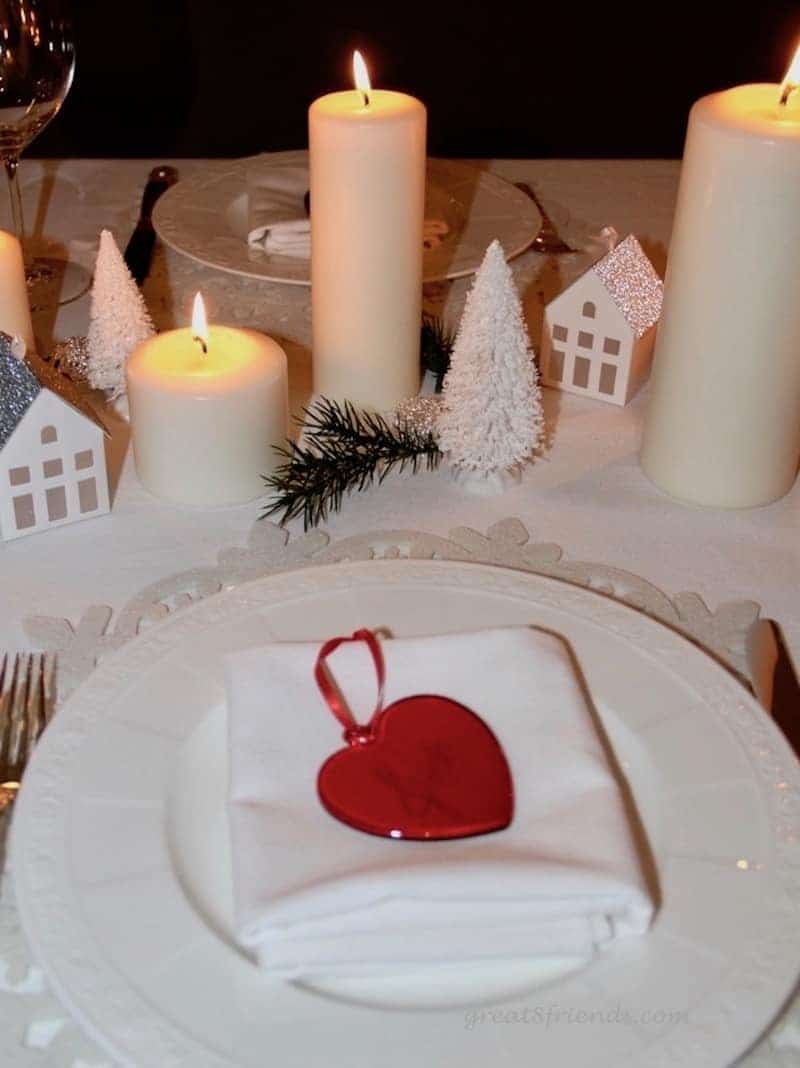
(206, 217)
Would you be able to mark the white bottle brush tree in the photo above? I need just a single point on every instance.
(118, 319)
(491, 418)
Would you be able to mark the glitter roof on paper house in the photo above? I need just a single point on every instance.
(19, 388)
(632, 283)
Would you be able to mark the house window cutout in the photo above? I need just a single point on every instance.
(608, 378)
(585, 340)
(556, 368)
(559, 333)
(24, 513)
(611, 346)
(56, 503)
(580, 376)
(589, 310)
(87, 495)
(18, 476)
(51, 468)
(49, 435)
(84, 459)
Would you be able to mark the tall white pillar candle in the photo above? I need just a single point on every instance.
(367, 159)
(204, 424)
(15, 313)
(723, 428)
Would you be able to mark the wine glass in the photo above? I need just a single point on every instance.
(37, 62)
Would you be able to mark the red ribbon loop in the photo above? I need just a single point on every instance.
(355, 733)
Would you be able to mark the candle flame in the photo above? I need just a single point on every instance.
(791, 79)
(200, 322)
(361, 76)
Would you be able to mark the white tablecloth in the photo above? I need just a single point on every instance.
(589, 495)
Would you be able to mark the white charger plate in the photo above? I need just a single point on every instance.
(122, 874)
(206, 217)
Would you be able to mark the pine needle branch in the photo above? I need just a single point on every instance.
(436, 345)
(343, 449)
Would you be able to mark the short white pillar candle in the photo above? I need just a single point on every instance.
(207, 413)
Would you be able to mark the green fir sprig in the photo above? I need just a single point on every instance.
(436, 346)
(342, 449)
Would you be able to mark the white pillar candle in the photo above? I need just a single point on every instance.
(367, 158)
(15, 313)
(723, 427)
(204, 423)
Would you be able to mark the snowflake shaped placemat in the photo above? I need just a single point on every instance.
(270, 550)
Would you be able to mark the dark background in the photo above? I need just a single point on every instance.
(164, 78)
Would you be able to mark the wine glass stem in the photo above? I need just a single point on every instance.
(12, 164)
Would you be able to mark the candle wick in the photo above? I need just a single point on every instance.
(365, 94)
(201, 343)
(788, 89)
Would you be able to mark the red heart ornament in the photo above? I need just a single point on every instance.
(424, 768)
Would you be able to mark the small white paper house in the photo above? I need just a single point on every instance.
(52, 456)
(598, 334)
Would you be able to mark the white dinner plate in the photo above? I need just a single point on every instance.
(206, 217)
(122, 870)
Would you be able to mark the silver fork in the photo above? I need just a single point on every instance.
(27, 699)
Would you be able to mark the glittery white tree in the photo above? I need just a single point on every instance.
(118, 319)
(491, 418)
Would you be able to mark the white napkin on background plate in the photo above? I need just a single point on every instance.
(277, 220)
(315, 897)
(290, 237)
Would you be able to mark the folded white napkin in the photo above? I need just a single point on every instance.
(291, 237)
(317, 898)
(277, 222)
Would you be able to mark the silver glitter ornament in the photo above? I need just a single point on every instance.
(418, 414)
(71, 358)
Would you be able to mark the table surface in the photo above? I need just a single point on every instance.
(588, 494)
